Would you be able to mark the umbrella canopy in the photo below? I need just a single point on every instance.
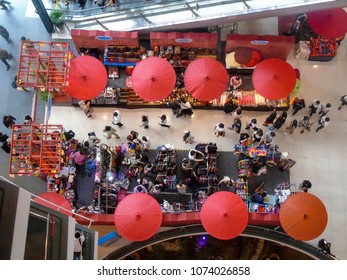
(329, 23)
(230, 60)
(224, 215)
(206, 79)
(303, 216)
(254, 60)
(137, 217)
(153, 79)
(243, 55)
(59, 202)
(87, 77)
(274, 78)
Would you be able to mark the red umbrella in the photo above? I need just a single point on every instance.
(129, 82)
(206, 79)
(303, 216)
(138, 217)
(274, 78)
(55, 201)
(243, 55)
(224, 215)
(329, 23)
(87, 77)
(153, 79)
(254, 60)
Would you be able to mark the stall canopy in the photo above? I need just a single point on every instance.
(274, 78)
(138, 217)
(153, 79)
(185, 40)
(87, 78)
(205, 79)
(224, 215)
(101, 39)
(328, 23)
(303, 216)
(55, 201)
(268, 46)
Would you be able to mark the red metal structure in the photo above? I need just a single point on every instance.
(36, 148)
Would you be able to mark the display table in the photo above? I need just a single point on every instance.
(323, 49)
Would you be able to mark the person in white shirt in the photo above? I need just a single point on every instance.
(323, 122)
(196, 156)
(314, 107)
(219, 129)
(325, 108)
(78, 245)
(185, 108)
(145, 143)
(252, 123)
(117, 118)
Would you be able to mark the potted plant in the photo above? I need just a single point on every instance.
(57, 18)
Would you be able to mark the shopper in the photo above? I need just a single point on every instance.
(4, 56)
(236, 126)
(298, 104)
(325, 109)
(163, 121)
(85, 105)
(8, 121)
(145, 121)
(185, 108)
(219, 129)
(110, 132)
(28, 119)
(257, 135)
(252, 123)
(117, 118)
(305, 185)
(314, 107)
(270, 119)
(343, 100)
(305, 123)
(4, 33)
(187, 137)
(78, 246)
(323, 122)
(145, 143)
(237, 114)
(269, 139)
(280, 121)
(292, 126)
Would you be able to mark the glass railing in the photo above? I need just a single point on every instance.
(137, 15)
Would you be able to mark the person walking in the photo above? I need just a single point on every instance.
(85, 106)
(237, 114)
(323, 122)
(324, 110)
(252, 123)
(145, 121)
(343, 100)
(236, 125)
(78, 245)
(8, 121)
(305, 123)
(4, 33)
(314, 107)
(280, 121)
(305, 185)
(2, 4)
(4, 56)
(270, 119)
(257, 135)
(163, 121)
(117, 118)
(188, 138)
(292, 126)
(110, 132)
(219, 129)
(298, 104)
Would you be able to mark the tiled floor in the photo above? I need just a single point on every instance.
(321, 157)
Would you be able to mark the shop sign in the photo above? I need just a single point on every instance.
(259, 42)
(103, 38)
(183, 40)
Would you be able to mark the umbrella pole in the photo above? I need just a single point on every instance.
(34, 105)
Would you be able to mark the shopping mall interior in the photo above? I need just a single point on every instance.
(319, 156)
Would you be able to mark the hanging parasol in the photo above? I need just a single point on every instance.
(274, 78)
(303, 216)
(87, 78)
(224, 215)
(328, 23)
(129, 82)
(55, 201)
(230, 60)
(137, 217)
(205, 79)
(243, 55)
(254, 60)
(153, 79)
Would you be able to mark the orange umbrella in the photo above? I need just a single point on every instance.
(224, 215)
(243, 55)
(303, 216)
(87, 78)
(153, 79)
(328, 23)
(206, 79)
(274, 78)
(138, 217)
(54, 201)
